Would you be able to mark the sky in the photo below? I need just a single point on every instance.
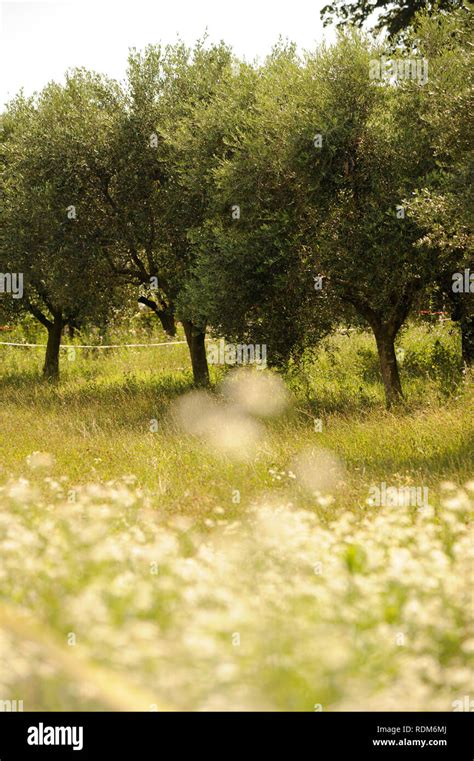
(41, 39)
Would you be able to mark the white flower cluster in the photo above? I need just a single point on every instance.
(108, 603)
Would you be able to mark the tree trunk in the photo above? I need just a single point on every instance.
(463, 315)
(51, 362)
(467, 339)
(168, 322)
(165, 316)
(385, 338)
(197, 349)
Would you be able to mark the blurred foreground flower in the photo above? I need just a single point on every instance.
(259, 393)
(229, 427)
(225, 428)
(319, 470)
(38, 460)
(278, 611)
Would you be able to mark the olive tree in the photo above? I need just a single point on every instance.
(319, 172)
(146, 208)
(253, 278)
(48, 233)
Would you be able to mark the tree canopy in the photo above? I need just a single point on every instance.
(266, 202)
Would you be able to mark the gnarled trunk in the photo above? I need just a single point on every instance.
(385, 339)
(196, 340)
(165, 316)
(51, 361)
(385, 326)
(168, 322)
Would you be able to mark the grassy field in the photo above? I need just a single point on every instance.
(163, 548)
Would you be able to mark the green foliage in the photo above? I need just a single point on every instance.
(434, 355)
(222, 190)
(443, 201)
(393, 15)
(48, 213)
(100, 472)
(253, 277)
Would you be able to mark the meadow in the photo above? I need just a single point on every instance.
(165, 548)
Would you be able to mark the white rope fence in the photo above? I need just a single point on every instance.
(141, 346)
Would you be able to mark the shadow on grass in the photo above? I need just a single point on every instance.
(439, 462)
(26, 388)
(14, 381)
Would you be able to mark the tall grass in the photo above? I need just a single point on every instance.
(228, 556)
